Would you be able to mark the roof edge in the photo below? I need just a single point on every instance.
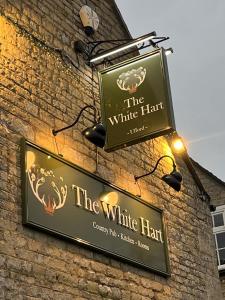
(122, 20)
(208, 172)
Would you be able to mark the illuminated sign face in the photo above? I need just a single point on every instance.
(136, 101)
(66, 200)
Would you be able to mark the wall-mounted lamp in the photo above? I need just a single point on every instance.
(93, 55)
(95, 134)
(173, 179)
(178, 145)
(169, 51)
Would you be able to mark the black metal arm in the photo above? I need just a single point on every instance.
(97, 43)
(91, 51)
(55, 132)
(157, 163)
(153, 43)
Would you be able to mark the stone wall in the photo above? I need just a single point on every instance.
(213, 185)
(216, 189)
(223, 286)
(42, 90)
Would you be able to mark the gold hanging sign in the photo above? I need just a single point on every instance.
(136, 100)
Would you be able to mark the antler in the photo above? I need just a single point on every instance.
(121, 84)
(61, 197)
(37, 177)
(141, 76)
(35, 184)
(129, 81)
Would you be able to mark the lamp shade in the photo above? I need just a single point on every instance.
(96, 134)
(173, 180)
(176, 175)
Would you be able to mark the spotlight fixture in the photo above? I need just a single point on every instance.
(178, 145)
(95, 134)
(173, 179)
(168, 51)
(92, 54)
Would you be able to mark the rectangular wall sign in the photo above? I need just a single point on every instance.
(63, 199)
(136, 100)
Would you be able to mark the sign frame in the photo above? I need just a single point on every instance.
(166, 87)
(78, 241)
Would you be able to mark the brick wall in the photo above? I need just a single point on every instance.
(41, 91)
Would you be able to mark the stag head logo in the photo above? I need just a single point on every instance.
(130, 80)
(42, 180)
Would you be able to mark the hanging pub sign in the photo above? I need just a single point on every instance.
(65, 200)
(136, 100)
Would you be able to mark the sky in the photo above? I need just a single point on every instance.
(196, 68)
